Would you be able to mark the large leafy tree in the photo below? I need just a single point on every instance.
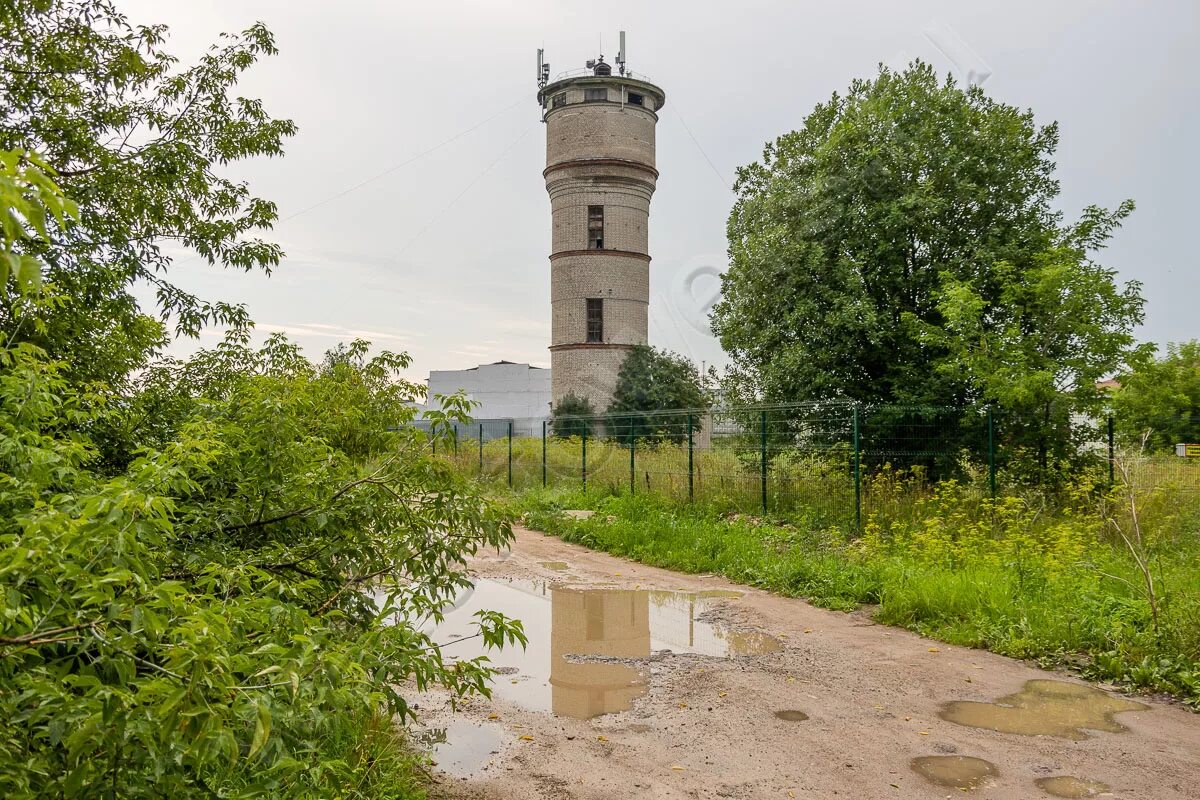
(653, 388)
(862, 243)
(212, 573)
(1162, 396)
(233, 612)
(139, 142)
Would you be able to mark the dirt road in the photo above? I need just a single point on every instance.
(767, 697)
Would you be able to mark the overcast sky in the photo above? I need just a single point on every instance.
(443, 254)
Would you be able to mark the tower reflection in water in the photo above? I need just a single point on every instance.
(596, 623)
(566, 626)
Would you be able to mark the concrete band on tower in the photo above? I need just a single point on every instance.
(600, 175)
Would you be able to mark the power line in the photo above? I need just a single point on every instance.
(404, 163)
(465, 189)
(385, 172)
(695, 141)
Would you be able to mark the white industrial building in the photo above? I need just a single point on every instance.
(503, 390)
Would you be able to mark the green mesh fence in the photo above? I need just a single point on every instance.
(835, 463)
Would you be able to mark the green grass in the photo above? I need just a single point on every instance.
(1050, 587)
(361, 756)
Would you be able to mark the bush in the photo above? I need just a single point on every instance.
(206, 621)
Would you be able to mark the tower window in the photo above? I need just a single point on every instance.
(636, 99)
(595, 319)
(595, 95)
(559, 99)
(595, 228)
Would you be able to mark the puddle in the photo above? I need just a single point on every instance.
(565, 621)
(958, 772)
(558, 566)
(1045, 708)
(462, 748)
(791, 715)
(1068, 786)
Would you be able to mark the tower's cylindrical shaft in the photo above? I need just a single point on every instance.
(600, 175)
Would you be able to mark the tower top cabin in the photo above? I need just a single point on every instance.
(600, 174)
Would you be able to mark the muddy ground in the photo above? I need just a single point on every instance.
(625, 692)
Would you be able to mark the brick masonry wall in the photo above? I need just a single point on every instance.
(606, 153)
(589, 373)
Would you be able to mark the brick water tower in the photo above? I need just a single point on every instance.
(600, 176)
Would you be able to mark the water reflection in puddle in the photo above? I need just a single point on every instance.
(1071, 787)
(958, 772)
(566, 624)
(461, 748)
(1047, 708)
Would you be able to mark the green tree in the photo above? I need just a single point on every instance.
(573, 416)
(203, 622)
(1038, 352)
(140, 144)
(1161, 395)
(653, 387)
(880, 253)
(231, 607)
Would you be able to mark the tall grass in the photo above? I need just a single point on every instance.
(816, 483)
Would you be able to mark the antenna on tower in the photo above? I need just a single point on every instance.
(543, 68)
(621, 54)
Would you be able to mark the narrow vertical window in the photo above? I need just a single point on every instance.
(595, 228)
(595, 319)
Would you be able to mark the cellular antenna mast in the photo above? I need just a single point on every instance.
(621, 54)
(543, 68)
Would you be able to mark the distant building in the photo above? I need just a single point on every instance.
(503, 390)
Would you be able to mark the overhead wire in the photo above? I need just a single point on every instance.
(404, 163)
(695, 141)
(478, 177)
(384, 173)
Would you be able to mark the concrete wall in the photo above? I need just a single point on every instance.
(504, 390)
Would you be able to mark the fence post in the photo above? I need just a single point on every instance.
(632, 481)
(481, 449)
(1112, 452)
(455, 439)
(543, 454)
(762, 456)
(432, 442)
(991, 423)
(691, 461)
(857, 475)
(510, 454)
(584, 460)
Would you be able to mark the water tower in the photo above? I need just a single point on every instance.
(600, 176)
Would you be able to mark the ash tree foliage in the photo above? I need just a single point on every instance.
(653, 387)
(1161, 396)
(138, 141)
(902, 247)
(214, 573)
(209, 619)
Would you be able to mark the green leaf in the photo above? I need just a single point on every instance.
(262, 728)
